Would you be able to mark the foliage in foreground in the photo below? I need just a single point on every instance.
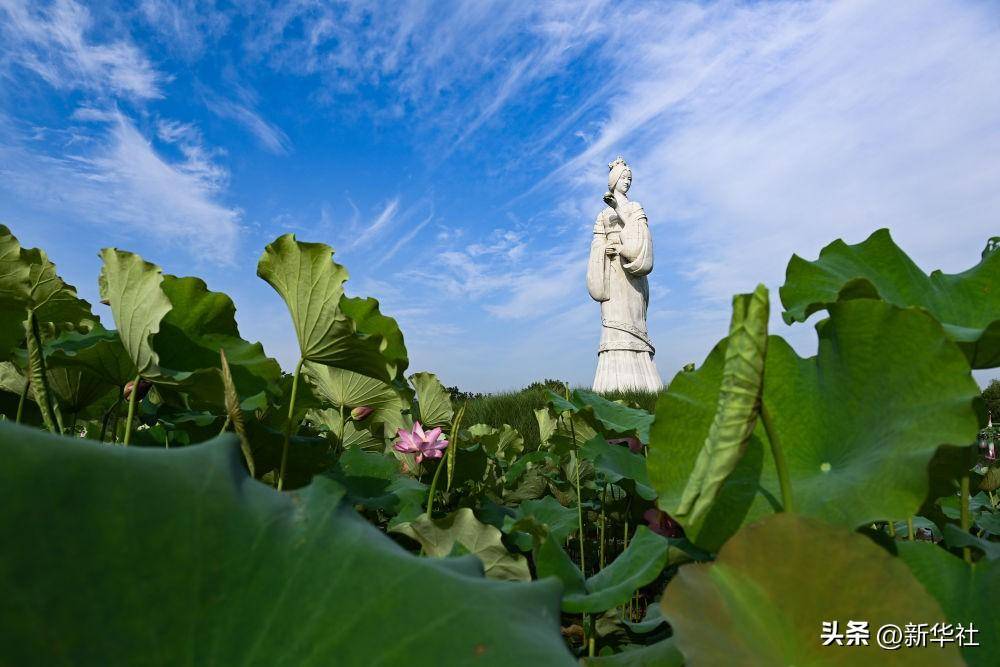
(404, 526)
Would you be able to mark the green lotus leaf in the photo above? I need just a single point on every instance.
(199, 324)
(340, 387)
(663, 653)
(857, 450)
(179, 550)
(370, 322)
(546, 425)
(99, 351)
(967, 303)
(312, 286)
(559, 522)
(28, 281)
(736, 412)
(373, 481)
(610, 417)
(11, 378)
(76, 389)
(617, 463)
(433, 401)
(133, 289)
(638, 565)
(438, 537)
(967, 594)
(956, 537)
(748, 608)
(308, 455)
(501, 443)
(349, 434)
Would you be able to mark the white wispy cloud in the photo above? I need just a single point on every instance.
(122, 183)
(51, 41)
(382, 220)
(775, 128)
(270, 136)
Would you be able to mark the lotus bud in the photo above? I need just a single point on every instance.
(360, 412)
(634, 445)
(144, 387)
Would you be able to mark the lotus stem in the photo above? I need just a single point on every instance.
(225, 425)
(288, 425)
(780, 464)
(966, 553)
(37, 373)
(604, 500)
(434, 482)
(131, 409)
(24, 396)
(909, 528)
(107, 415)
(343, 427)
(892, 529)
(579, 514)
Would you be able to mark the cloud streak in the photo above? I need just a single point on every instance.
(124, 184)
(51, 42)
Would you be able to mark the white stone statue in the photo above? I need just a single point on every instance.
(621, 256)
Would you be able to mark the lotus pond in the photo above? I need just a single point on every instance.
(168, 495)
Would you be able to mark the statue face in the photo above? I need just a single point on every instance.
(624, 181)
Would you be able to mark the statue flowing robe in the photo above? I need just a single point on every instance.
(625, 355)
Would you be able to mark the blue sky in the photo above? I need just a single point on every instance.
(455, 153)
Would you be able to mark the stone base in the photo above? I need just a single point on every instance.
(626, 369)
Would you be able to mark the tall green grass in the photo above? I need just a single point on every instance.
(517, 408)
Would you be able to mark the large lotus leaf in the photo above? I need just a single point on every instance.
(29, 277)
(502, 443)
(371, 322)
(618, 463)
(765, 598)
(967, 594)
(11, 378)
(76, 389)
(956, 537)
(857, 450)
(559, 522)
(736, 412)
(638, 565)
(28, 281)
(349, 434)
(176, 556)
(438, 537)
(99, 351)
(433, 400)
(132, 287)
(199, 324)
(663, 653)
(340, 387)
(373, 481)
(312, 285)
(967, 303)
(546, 425)
(308, 456)
(610, 417)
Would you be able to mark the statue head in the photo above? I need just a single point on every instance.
(619, 176)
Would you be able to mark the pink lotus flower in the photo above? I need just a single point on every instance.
(661, 523)
(360, 412)
(633, 443)
(424, 445)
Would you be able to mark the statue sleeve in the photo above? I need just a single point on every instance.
(637, 244)
(597, 266)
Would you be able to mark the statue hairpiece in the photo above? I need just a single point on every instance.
(617, 161)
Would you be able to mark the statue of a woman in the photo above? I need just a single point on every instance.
(621, 255)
